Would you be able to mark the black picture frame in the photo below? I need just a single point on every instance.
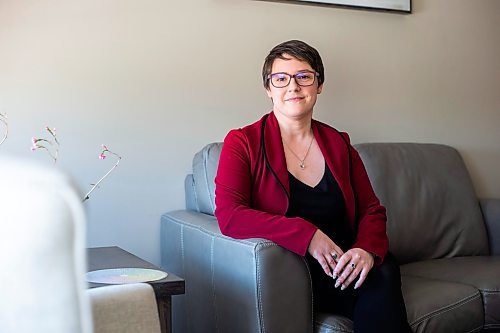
(401, 6)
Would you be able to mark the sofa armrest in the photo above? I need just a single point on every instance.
(232, 285)
(491, 214)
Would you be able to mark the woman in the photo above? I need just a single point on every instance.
(299, 182)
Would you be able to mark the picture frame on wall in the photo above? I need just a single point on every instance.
(392, 5)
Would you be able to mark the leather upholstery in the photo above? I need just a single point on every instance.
(481, 272)
(234, 284)
(442, 306)
(491, 213)
(436, 230)
(328, 323)
(191, 203)
(415, 182)
(205, 165)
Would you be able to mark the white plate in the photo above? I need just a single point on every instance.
(125, 275)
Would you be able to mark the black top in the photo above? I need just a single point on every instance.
(322, 205)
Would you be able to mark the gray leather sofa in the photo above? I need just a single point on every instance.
(446, 240)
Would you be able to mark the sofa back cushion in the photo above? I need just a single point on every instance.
(432, 208)
(205, 164)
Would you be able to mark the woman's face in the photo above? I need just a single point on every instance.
(293, 101)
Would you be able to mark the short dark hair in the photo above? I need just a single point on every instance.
(297, 49)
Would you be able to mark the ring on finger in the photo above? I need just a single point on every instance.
(334, 256)
(353, 265)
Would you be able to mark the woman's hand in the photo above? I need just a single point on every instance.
(355, 262)
(325, 251)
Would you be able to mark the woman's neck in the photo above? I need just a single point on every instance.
(294, 129)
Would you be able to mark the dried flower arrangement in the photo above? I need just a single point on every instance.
(51, 146)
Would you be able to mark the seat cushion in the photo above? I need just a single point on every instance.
(441, 306)
(432, 306)
(329, 323)
(481, 272)
(427, 192)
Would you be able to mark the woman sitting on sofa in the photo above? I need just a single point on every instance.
(299, 183)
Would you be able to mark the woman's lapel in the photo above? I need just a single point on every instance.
(275, 152)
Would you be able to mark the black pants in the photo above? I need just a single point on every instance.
(377, 306)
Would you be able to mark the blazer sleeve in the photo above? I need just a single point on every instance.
(371, 215)
(235, 210)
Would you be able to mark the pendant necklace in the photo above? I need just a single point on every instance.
(301, 164)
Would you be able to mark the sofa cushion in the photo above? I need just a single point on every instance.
(328, 323)
(432, 208)
(432, 306)
(481, 272)
(205, 164)
(441, 306)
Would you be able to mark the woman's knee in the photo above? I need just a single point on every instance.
(386, 273)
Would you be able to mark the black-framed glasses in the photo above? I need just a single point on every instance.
(282, 80)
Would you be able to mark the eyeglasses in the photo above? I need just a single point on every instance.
(282, 80)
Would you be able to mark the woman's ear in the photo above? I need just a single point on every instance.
(320, 88)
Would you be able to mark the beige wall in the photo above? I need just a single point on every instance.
(157, 80)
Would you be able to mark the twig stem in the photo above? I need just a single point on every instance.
(87, 196)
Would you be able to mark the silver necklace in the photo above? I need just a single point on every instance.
(301, 164)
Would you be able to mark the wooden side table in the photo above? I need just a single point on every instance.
(115, 257)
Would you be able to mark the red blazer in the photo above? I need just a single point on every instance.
(251, 203)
